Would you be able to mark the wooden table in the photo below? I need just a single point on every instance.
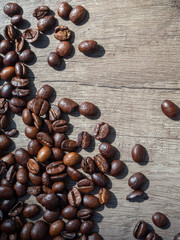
(136, 69)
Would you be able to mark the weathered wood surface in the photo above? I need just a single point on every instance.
(136, 71)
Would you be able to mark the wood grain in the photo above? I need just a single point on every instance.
(136, 69)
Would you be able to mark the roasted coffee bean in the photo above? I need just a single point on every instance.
(117, 167)
(5, 46)
(19, 82)
(3, 106)
(3, 167)
(37, 121)
(45, 139)
(83, 140)
(17, 92)
(71, 159)
(85, 213)
(170, 109)
(64, 49)
(30, 104)
(8, 226)
(51, 216)
(26, 56)
(26, 231)
(19, 47)
(153, 236)
(77, 14)
(136, 181)
(40, 197)
(10, 59)
(7, 204)
(31, 132)
(6, 192)
(11, 174)
(95, 236)
(62, 33)
(134, 194)
(100, 179)
(20, 70)
(33, 147)
(55, 168)
(69, 212)
(31, 210)
(177, 237)
(34, 190)
(88, 46)
(47, 189)
(50, 201)
(40, 106)
(86, 227)
(101, 163)
(64, 10)
(104, 196)
(58, 177)
(159, 219)
(41, 12)
(90, 201)
(58, 139)
(73, 225)
(47, 126)
(16, 210)
(17, 105)
(9, 159)
(46, 23)
(101, 130)
(67, 105)
(68, 235)
(16, 20)
(88, 109)
(85, 185)
(140, 230)
(138, 153)
(31, 35)
(107, 150)
(88, 165)
(74, 174)
(11, 9)
(5, 142)
(74, 197)
(20, 189)
(54, 113)
(33, 166)
(54, 60)
(56, 154)
(46, 179)
(10, 32)
(44, 154)
(58, 187)
(56, 228)
(69, 145)
(45, 92)
(7, 73)
(35, 179)
(12, 132)
(39, 230)
(19, 222)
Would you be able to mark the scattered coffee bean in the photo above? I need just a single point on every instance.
(3, 106)
(22, 157)
(77, 14)
(19, 82)
(33, 166)
(31, 35)
(20, 70)
(100, 179)
(55, 168)
(153, 236)
(5, 46)
(85, 213)
(71, 159)
(45, 92)
(20, 189)
(41, 12)
(62, 33)
(8, 226)
(134, 195)
(26, 56)
(88, 46)
(26, 231)
(16, 210)
(85, 185)
(56, 228)
(90, 201)
(170, 109)
(11, 174)
(45, 139)
(39, 230)
(117, 168)
(3, 122)
(7, 73)
(9, 159)
(11, 9)
(83, 140)
(67, 105)
(19, 47)
(74, 197)
(69, 212)
(64, 10)
(139, 153)
(136, 181)
(74, 174)
(88, 165)
(159, 219)
(95, 236)
(107, 150)
(17, 105)
(140, 230)
(64, 49)
(101, 131)
(33, 147)
(10, 32)
(88, 109)
(6, 192)
(69, 145)
(51, 216)
(16, 20)
(104, 196)
(50, 201)
(31, 132)
(86, 227)
(5, 142)
(54, 60)
(31, 210)
(46, 23)
(177, 237)
(101, 163)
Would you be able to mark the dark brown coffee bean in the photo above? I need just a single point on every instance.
(44, 154)
(22, 157)
(46, 23)
(95, 236)
(69, 145)
(139, 153)
(134, 194)
(74, 174)
(117, 167)
(31, 35)
(7, 73)
(6, 192)
(20, 189)
(5, 46)
(170, 109)
(16, 20)
(45, 139)
(26, 56)
(41, 12)
(64, 10)
(31, 132)
(159, 219)
(17, 105)
(86, 227)
(33, 166)
(74, 197)
(34, 190)
(19, 47)
(136, 181)
(50, 201)
(11, 133)
(85, 213)
(67, 105)
(88, 109)
(4, 182)
(10, 32)
(64, 49)
(73, 225)
(31, 210)
(101, 130)
(54, 60)
(47, 189)
(58, 177)
(58, 187)
(67, 235)
(83, 140)
(107, 150)
(26, 231)
(40, 197)
(62, 33)
(71, 159)
(10, 59)
(11, 174)
(56, 228)
(19, 82)
(85, 185)
(37, 121)
(8, 226)
(5, 142)
(77, 14)
(3, 106)
(35, 179)
(88, 165)
(54, 113)
(100, 179)
(104, 196)
(69, 212)
(40, 106)
(177, 237)
(22, 175)
(101, 163)
(33, 147)
(21, 71)
(9, 159)
(51, 216)
(153, 236)
(3, 167)
(88, 46)
(140, 230)
(58, 139)
(16, 210)
(55, 168)
(90, 201)
(45, 92)
(46, 126)
(17, 92)
(7, 204)
(11, 9)
(39, 230)
(56, 154)
(3, 122)
(30, 104)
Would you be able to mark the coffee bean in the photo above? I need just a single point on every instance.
(16, 20)
(20, 92)
(11, 174)
(5, 142)
(21, 70)
(85, 213)
(39, 230)
(55, 168)
(88, 165)
(177, 237)
(77, 14)
(74, 197)
(101, 130)
(45, 92)
(46, 23)
(33, 166)
(58, 177)
(90, 201)
(139, 153)
(35, 179)
(134, 194)
(83, 140)
(74, 174)
(104, 196)
(3, 167)
(58, 139)
(62, 33)
(153, 236)
(19, 82)
(10, 59)
(31, 210)
(69, 212)
(95, 236)
(47, 126)
(71, 159)
(20, 189)
(86, 227)
(33, 147)
(45, 139)
(7, 204)
(8, 226)
(100, 179)
(69, 145)
(64, 10)
(107, 150)
(31, 35)
(67, 105)
(37, 121)
(10, 32)
(170, 109)
(26, 56)
(117, 168)
(140, 230)
(11, 9)
(88, 109)
(17, 105)
(3, 122)
(22, 157)
(34, 190)
(40, 106)
(85, 185)
(19, 47)
(31, 132)
(6, 192)
(47, 189)
(26, 231)
(88, 46)
(54, 60)
(7, 73)
(67, 235)
(159, 219)
(136, 181)
(56, 228)
(64, 49)
(16, 210)
(54, 113)
(56, 154)
(5, 46)
(58, 187)
(22, 176)
(41, 12)
(73, 225)
(3, 106)
(51, 216)
(101, 163)
(50, 201)
(9, 159)
(60, 126)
